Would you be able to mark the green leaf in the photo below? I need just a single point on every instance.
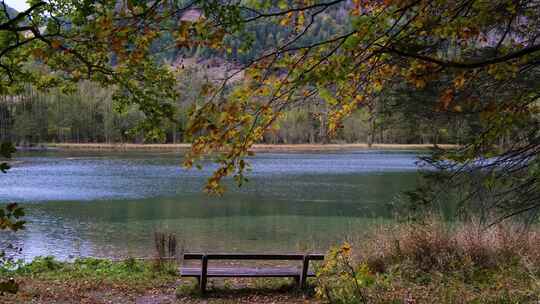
(327, 96)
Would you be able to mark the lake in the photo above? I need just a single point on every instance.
(108, 204)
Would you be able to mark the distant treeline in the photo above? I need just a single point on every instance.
(89, 116)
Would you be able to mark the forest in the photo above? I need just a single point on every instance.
(89, 115)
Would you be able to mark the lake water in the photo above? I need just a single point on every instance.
(108, 204)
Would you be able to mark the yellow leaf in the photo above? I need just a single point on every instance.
(459, 81)
(420, 83)
(346, 249)
(285, 21)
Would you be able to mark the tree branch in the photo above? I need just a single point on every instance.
(464, 65)
(9, 24)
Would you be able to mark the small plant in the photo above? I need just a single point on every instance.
(188, 288)
(131, 264)
(166, 250)
(340, 280)
(42, 264)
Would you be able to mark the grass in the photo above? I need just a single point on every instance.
(50, 281)
(132, 272)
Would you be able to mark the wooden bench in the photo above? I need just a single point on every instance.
(204, 272)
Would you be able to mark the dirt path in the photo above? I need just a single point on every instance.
(183, 291)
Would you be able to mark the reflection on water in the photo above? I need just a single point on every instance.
(108, 204)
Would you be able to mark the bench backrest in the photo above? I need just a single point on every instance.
(249, 256)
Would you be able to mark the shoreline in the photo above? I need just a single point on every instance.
(255, 148)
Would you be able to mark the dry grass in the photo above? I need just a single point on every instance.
(434, 245)
(436, 262)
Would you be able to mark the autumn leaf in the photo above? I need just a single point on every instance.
(446, 98)
(287, 19)
(459, 81)
(346, 249)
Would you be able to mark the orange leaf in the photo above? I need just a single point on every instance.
(446, 98)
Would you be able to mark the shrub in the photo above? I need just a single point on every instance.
(340, 280)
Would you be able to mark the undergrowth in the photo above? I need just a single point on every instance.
(433, 262)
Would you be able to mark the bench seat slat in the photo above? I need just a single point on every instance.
(248, 256)
(243, 272)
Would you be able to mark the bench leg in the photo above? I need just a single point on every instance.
(204, 272)
(202, 284)
(304, 274)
